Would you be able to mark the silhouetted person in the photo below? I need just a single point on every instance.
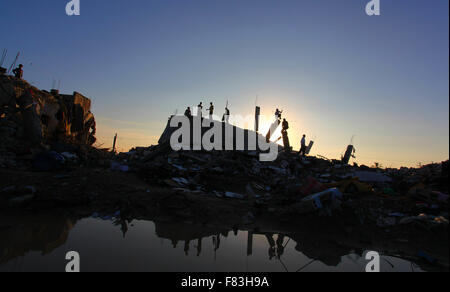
(186, 247)
(200, 109)
(278, 114)
(303, 146)
(18, 72)
(211, 110)
(285, 125)
(226, 115)
(188, 112)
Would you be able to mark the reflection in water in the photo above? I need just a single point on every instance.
(22, 234)
(275, 250)
(39, 243)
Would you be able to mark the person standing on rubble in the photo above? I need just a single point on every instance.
(200, 109)
(278, 114)
(285, 126)
(211, 110)
(226, 115)
(303, 146)
(18, 72)
(188, 112)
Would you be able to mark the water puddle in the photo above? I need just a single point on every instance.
(104, 245)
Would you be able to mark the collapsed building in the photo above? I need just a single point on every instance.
(33, 117)
(202, 133)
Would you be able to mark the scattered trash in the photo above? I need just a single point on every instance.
(234, 195)
(326, 201)
(351, 185)
(311, 185)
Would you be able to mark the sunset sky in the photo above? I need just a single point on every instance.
(335, 71)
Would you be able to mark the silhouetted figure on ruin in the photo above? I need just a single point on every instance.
(18, 72)
(278, 114)
(200, 109)
(226, 115)
(211, 110)
(188, 112)
(303, 146)
(285, 125)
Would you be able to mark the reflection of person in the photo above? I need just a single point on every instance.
(199, 247)
(124, 227)
(216, 242)
(200, 109)
(235, 230)
(186, 247)
(280, 247)
(272, 246)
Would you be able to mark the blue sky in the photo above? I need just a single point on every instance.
(334, 70)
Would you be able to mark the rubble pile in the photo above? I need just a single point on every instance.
(292, 185)
(32, 120)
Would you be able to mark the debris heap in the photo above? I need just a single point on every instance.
(30, 118)
(295, 186)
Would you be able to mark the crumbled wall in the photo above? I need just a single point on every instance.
(38, 116)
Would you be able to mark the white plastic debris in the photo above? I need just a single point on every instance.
(234, 195)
